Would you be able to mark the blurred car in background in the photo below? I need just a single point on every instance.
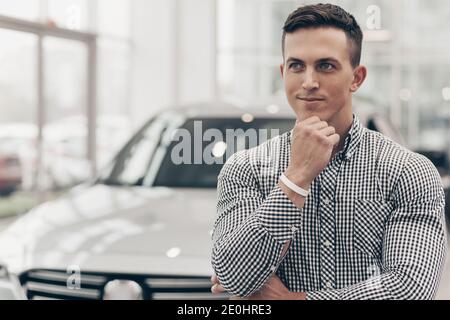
(143, 228)
(144, 224)
(10, 174)
(19, 140)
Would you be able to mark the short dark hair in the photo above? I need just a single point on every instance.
(327, 15)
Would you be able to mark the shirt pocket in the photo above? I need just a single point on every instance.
(370, 217)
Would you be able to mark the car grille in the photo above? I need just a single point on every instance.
(52, 284)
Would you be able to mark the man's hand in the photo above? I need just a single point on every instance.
(216, 287)
(312, 145)
(274, 289)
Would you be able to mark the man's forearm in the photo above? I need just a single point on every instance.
(245, 258)
(392, 285)
(296, 199)
(296, 177)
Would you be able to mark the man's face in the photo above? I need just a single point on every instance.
(318, 75)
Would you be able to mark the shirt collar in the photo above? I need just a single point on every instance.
(353, 139)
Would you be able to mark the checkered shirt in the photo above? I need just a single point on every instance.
(372, 226)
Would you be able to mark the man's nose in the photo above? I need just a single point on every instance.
(310, 81)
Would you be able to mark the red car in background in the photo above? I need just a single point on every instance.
(10, 174)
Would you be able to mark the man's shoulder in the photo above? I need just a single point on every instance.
(384, 148)
(396, 159)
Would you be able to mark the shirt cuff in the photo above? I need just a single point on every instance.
(279, 216)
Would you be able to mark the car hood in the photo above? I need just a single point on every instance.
(115, 229)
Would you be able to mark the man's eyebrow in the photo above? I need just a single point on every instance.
(328, 59)
(291, 59)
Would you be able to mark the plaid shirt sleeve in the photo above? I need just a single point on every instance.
(414, 244)
(251, 230)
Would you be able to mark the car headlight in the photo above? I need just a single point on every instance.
(10, 288)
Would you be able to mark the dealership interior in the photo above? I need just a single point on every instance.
(92, 92)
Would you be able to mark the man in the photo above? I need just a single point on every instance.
(346, 213)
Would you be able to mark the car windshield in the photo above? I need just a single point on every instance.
(188, 153)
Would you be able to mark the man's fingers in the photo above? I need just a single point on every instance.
(217, 288)
(311, 120)
(319, 125)
(328, 131)
(334, 139)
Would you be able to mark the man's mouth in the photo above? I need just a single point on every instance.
(308, 99)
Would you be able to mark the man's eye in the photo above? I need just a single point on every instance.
(295, 66)
(326, 66)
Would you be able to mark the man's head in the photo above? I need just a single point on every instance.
(327, 15)
(321, 61)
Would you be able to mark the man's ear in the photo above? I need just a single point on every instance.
(359, 75)
(282, 70)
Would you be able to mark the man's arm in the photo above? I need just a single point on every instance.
(414, 245)
(250, 232)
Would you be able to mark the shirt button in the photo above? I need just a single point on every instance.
(326, 201)
(273, 269)
(327, 243)
(294, 228)
(329, 285)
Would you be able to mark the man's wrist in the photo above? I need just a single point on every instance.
(298, 178)
(291, 185)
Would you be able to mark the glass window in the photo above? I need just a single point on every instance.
(65, 131)
(22, 9)
(114, 17)
(18, 98)
(406, 51)
(70, 14)
(66, 78)
(425, 24)
(113, 121)
(250, 34)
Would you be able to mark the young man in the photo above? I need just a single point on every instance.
(346, 213)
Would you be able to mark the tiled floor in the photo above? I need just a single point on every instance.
(443, 293)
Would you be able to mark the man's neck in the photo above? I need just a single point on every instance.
(342, 125)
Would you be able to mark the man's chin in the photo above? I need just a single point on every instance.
(303, 112)
(303, 115)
